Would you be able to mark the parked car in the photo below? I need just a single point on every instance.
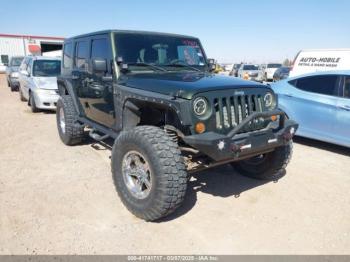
(228, 67)
(269, 70)
(234, 71)
(156, 95)
(248, 72)
(281, 73)
(320, 102)
(12, 72)
(38, 82)
(316, 60)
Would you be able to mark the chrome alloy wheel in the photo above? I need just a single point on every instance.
(137, 174)
(62, 121)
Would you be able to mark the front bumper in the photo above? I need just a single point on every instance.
(14, 81)
(45, 101)
(237, 145)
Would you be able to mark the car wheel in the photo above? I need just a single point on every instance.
(32, 104)
(269, 166)
(70, 132)
(13, 87)
(148, 172)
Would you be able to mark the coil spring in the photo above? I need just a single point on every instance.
(173, 136)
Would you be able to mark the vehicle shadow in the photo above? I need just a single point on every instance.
(322, 145)
(221, 181)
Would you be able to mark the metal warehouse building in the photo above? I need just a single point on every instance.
(21, 45)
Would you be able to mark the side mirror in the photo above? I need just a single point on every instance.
(211, 64)
(99, 65)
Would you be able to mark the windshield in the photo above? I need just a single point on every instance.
(285, 69)
(46, 68)
(250, 67)
(274, 65)
(16, 61)
(159, 50)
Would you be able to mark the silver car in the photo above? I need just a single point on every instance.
(12, 72)
(249, 72)
(38, 82)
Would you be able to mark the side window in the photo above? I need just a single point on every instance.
(29, 66)
(99, 48)
(81, 54)
(325, 85)
(24, 64)
(68, 55)
(347, 87)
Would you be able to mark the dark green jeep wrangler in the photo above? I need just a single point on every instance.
(156, 96)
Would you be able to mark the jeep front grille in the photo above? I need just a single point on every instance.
(231, 111)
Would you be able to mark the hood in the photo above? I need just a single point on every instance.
(184, 84)
(13, 68)
(46, 82)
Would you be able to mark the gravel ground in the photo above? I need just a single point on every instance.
(56, 199)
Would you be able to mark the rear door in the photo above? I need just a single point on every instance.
(80, 76)
(314, 103)
(342, 129)
(99, 86)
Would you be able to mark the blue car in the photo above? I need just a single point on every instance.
(320, 103)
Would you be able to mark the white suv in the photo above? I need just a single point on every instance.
(269, 70)
(38, 81)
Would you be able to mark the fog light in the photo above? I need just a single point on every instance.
(199, 127)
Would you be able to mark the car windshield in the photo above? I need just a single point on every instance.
(285, 69)
(46, 68)
(16, 61)
(169, 52)
(274, 65)
(250, 67)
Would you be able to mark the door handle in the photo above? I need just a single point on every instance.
(344, 107)
(289, 95)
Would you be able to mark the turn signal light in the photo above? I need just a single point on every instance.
(199, 128)
(274, 118)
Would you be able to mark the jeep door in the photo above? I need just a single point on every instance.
(100, 85)
(80, 76)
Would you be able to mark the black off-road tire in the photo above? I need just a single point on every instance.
(270, 167)
(74, 132)
(13, 88)
(32, 104)
(168, 172)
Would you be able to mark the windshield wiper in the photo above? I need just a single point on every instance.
(183, 65)
(148, 65)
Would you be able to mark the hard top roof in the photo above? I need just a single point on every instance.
(128, 31)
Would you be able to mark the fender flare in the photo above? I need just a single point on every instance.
(65, 87)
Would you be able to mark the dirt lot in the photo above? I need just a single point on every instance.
(56, 199)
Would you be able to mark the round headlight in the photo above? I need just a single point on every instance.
(200, 106)
(269, 100)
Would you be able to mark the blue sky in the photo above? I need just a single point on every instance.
(251, 31)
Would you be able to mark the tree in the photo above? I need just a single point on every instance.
(286, 62)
